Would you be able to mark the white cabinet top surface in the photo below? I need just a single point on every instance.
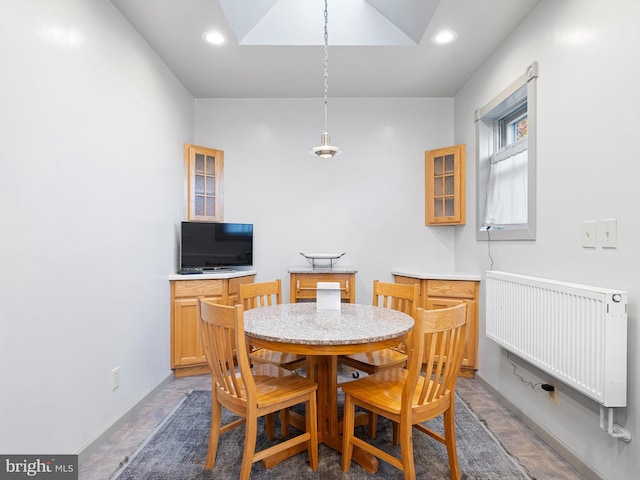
(217, 275)
(437, 275)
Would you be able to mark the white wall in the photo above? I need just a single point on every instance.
(588, 169)
(367, 202)
(91, 133)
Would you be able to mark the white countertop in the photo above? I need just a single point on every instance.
(215, 275)
(438, 275)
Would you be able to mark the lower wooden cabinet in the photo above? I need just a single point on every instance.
(439, 293)
(187, 356)
(303, 283)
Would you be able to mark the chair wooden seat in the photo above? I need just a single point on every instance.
(275, 384)
(267, 369)
(375, 361)
(413, 395)
(290, 361)
(250, 393)
(385, 388)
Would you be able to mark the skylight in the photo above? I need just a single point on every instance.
(352, 22)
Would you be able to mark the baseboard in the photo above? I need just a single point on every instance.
(560, 448)
(101, 437)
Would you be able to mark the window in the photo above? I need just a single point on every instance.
(513, 127)
(506, 162)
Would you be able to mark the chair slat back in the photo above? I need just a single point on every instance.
(223, 342)
(397, 296)
(253, 295)
(438, 338)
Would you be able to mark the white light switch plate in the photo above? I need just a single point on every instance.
(609, 233)
(589, 234)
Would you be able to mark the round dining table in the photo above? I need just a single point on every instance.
(323, 335)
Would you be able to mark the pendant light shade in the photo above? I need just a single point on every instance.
(325, 149)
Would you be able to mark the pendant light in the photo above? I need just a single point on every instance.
(325, 149)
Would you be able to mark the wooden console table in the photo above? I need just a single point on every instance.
(304, 280)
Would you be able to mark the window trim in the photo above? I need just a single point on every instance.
(488, 141)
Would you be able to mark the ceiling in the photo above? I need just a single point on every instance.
(377, 48)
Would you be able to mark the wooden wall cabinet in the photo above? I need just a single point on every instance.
(444, 293)
(204, 175)
(445, 187)
(303, 282)
(187, 356)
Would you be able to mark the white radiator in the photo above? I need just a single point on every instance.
(576, 333)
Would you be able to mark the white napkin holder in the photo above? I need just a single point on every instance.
(328, 296)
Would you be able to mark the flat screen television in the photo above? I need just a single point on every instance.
(212, 246)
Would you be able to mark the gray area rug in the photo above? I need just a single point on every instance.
(177, 451)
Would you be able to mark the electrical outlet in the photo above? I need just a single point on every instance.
(589, 234)
(553, 395)
(115, 378)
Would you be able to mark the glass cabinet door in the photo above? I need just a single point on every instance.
(204, 190)
(445, 186)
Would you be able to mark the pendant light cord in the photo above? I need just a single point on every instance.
(326, 62)
(325, 149)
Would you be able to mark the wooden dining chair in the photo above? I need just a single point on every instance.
(255, 295)
(411, 396)
(250, 393)
(396, 296)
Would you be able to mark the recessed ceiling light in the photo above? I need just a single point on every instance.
(443, 37)
(214, 37)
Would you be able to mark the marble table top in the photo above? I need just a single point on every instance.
(303, 323)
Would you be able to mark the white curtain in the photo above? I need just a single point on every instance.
(506, 205)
